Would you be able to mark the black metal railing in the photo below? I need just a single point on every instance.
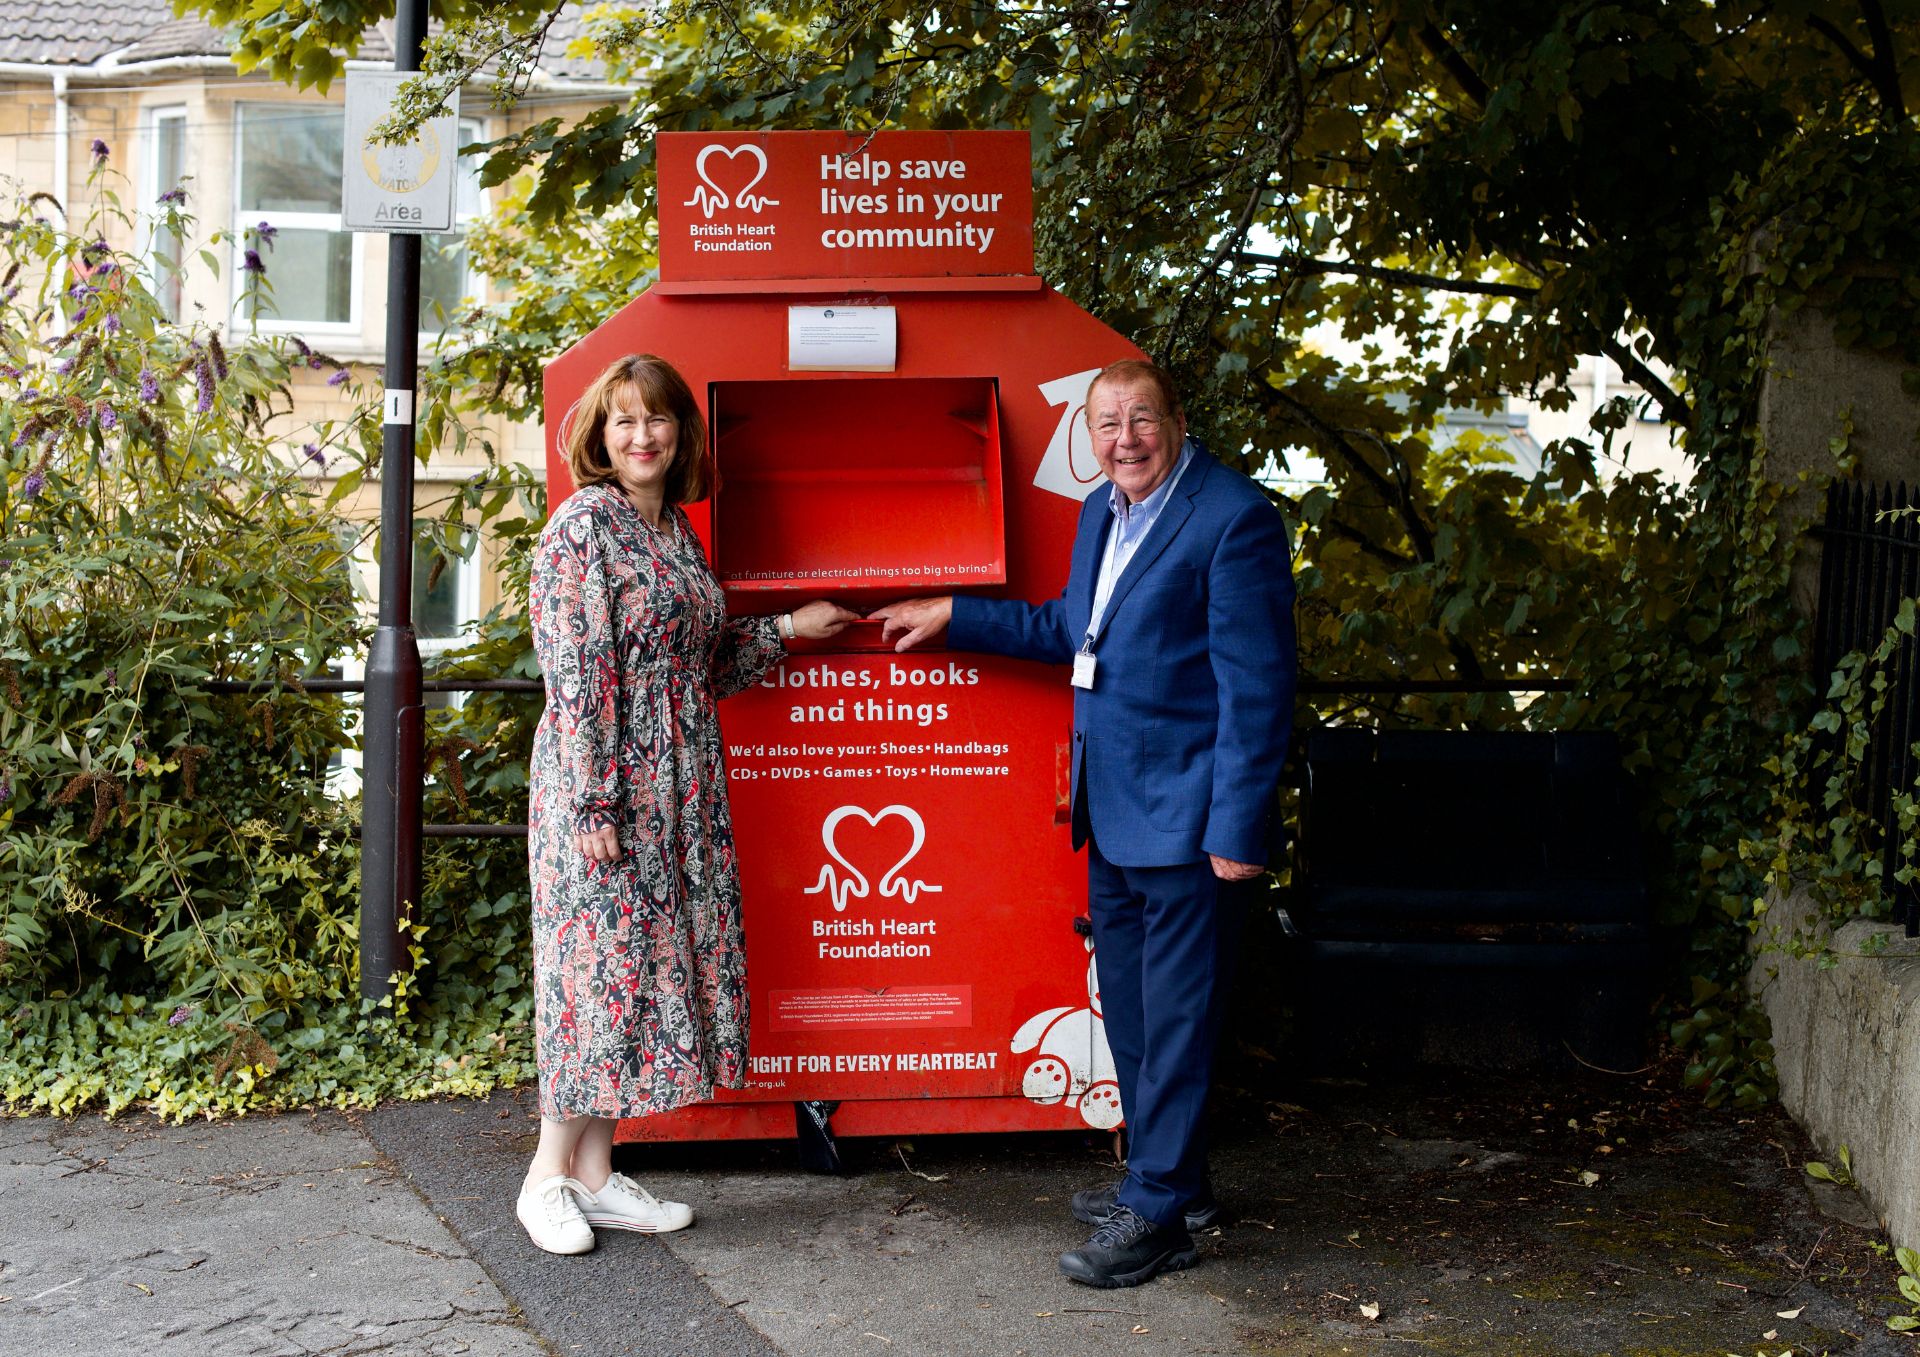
(1314, 687)
(1868, 564)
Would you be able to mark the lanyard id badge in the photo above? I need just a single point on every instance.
(1083, 665)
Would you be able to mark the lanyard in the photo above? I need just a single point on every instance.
(1113, 564)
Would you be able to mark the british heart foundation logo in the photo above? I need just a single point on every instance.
(728, 175)
(840, 880)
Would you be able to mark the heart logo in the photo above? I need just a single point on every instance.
(709, 195)
(841, 881)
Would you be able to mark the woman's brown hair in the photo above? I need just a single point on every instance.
(663, 391)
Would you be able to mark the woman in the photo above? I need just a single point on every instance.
(638, 958)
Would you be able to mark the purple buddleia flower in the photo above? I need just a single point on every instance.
(99, 149)
(313, 454)
(252, 263)
(176, 196)
(149, 387)
(113, 322)
(31, 487)
(32, 393)
(266, 230)
(109, 420)
(93, 249)
(12, 292)
(203, 382)
(180, 1015)
(113, 678)
(6, 787)
(315, 362)
(81, 291)
(339, 378)
(64, 367)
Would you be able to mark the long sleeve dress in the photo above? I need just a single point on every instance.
(640, 984)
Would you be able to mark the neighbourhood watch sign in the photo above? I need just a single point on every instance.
(407, 187)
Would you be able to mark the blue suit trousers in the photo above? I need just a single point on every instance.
(1164, 939)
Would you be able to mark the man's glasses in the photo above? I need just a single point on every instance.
(1143, 426)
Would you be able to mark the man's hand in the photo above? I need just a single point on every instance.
(1229, 870)
(599, 845)
(913, 620)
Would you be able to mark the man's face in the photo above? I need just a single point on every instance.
(1135, 440)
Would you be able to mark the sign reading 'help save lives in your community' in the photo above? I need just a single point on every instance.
(802, 205)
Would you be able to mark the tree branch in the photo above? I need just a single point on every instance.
(1389, 491)
(1402, 277)
(1456, 65)
(1885, 61)
(1672, 408)
(1878, 69)
(1396, 492)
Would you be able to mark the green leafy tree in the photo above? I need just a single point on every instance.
(1472, 194)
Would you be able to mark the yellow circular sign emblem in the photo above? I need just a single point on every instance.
(402, 169)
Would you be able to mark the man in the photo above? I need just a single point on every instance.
(1178, 621)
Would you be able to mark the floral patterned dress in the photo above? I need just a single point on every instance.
(639, 965)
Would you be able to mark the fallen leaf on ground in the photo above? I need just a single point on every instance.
(1141, 1328)
(1790, 1314)
(1369, 1310)
(1588, 1178)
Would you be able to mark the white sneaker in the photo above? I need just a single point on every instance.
(625, 1205)
(552, 1216)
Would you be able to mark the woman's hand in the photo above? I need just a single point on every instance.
(821, 619)
(599, 845)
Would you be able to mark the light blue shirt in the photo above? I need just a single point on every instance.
(1131, 524)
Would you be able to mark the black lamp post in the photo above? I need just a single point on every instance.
(395, 718)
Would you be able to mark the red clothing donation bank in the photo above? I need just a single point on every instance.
(895, 405)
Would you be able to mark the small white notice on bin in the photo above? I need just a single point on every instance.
(841, 339)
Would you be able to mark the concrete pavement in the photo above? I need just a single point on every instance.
(1464, 1215)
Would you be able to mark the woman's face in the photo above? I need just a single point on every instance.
(640, 443)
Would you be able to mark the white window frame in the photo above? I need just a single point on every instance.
(156, 117)
(466, 599)
(275, 323)
(467, 129)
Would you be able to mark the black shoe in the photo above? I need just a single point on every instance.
(1128, 1250)
(1093, 1205)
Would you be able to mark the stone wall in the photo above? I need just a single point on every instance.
(1846, 1039)
(1814, 387)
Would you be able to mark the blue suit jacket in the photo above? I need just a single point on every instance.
(1177, 748)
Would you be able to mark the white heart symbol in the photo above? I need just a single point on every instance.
(855, 881)
(708, 195)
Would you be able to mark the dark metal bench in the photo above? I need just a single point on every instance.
(1476, 897)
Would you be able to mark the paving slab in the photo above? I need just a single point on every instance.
(1588, 1216)
(1568, 1217)
(258, 1237)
